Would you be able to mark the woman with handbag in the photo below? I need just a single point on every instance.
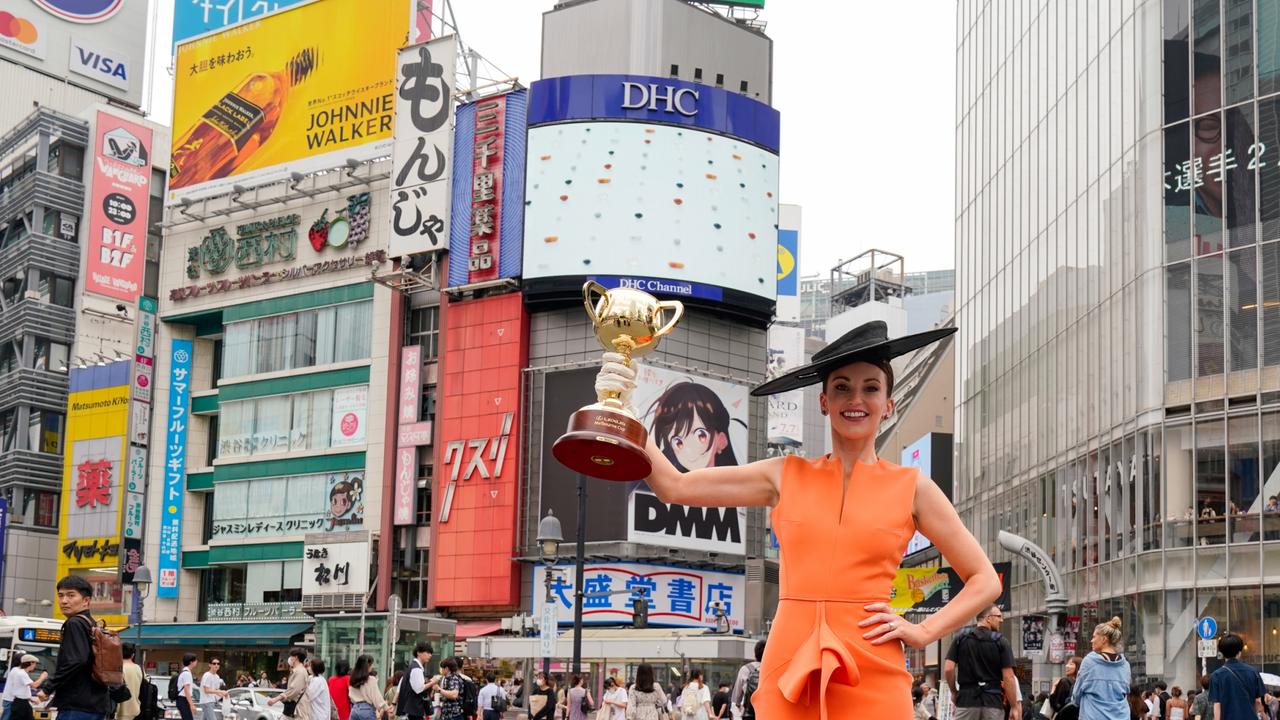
(362, 690)
(646, 701)
(579, 699)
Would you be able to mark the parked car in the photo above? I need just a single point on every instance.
(249, 703)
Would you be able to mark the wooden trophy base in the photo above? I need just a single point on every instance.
(604, 443)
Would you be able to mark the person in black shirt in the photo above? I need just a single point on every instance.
(720, 702)
(979, 669)
(76, 695)
(544, 689)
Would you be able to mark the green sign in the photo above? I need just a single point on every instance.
(758, 4)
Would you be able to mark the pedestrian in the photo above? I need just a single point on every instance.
(264, 682)
(1235, 689)
(1103, 682)
(319, 704)
(1176, 707)
(542, 698)
(1272, 704)
(413, 696)
(1060, 696)
(695, 701)
(133, 676)
(562, 697)
(186, 686)
(817, 618)
(578, 699)
(18, 682)
(296, 688)
(746, 684)
(491, 697)
(391, 693)
(1139, 703)
(1200, 709)
(720, 702)
(76, 694)
(211, 689)
(362, 690)
(15, 662)
(470, 690)
(450, 691)
(517, 692)
(979, 670)
(615, 699)
(338, 686)
(646, 700)
(929, 700)
(917, 704)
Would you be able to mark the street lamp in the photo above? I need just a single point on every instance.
(38, 603)
(549, 538)
(141, 588)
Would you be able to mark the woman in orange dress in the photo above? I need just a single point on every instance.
(843, 521)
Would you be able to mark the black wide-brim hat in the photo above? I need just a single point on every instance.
(869, 342)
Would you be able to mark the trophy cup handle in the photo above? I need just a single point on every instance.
(587, 302)
(677, 308)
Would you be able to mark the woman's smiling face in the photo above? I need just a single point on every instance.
(856, 398)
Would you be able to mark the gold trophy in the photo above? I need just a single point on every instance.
(605, 440)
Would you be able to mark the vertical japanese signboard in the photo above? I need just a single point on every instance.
(422, 155)
(486, 188)
(175, 468)
(144, 352)
(120, 197)
(407, 456)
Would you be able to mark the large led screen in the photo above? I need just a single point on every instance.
(651, 201)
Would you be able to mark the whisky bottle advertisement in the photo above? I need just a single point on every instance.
(299, 90)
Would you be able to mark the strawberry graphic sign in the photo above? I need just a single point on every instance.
(349, 407)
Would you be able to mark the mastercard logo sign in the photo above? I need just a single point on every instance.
(20, 29)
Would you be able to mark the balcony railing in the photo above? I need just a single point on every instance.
(28, 467)
(255, 611)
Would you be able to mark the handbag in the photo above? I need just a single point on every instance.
(290, 708)
(1047, 709)
(586, 706)
(603, 713)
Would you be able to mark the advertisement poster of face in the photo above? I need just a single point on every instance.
(697, 423)
(422, 156)
(350, 406)
(1032, 635)
(786, 410)
(345, 508)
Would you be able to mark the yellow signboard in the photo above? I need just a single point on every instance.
(93, 489)
(299, 90)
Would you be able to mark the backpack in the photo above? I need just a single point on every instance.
(149, 700)
(750, 686)
(689, 701)
(469, 697)
(108, 656)
(499, 702)
(173, 687)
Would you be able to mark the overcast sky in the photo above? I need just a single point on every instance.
(867, 96)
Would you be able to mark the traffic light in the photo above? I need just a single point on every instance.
(639, 610)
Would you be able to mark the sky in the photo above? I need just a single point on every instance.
(866, 91)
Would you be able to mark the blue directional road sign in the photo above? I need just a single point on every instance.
(1207, 628)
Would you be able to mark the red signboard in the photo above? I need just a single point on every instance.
(406, 480)
(121, 195)
(478, 454)
(486, 189)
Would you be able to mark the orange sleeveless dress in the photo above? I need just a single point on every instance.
(834, 561)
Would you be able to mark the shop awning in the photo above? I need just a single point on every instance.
(219, 634)
(476, 628)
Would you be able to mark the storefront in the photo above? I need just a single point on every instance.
(247, 648)
(388, 638)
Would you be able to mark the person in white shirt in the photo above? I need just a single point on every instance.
(320, 704)
(211, 689)
(185, 683)
(615, 698)
(698, 696)
(18, 684)
(490, 692)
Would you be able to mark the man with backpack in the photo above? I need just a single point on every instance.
(979, 670)
(1235, 689)
(470, 693)
(747, 682)
(492, 700)
(131, 708)
(77, 685)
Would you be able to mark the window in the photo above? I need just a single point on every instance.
(1267, 156)
(1179, 178)
(1209, 317)
(1211, 483)
(1241, 197)
(282, 506)
(1270, 292)
(1178, 320)
(1242, 315)
(1177, 16)
(309, 338)
(46, 509)
(424, 329)
(282, 423)
(45, 431)
(50, 356)
(1268, 49)
(1238, 45)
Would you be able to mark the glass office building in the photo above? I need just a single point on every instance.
(1118, 283)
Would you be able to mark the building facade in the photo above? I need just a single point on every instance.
(1117, 394)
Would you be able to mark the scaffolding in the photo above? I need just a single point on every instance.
(873, 276)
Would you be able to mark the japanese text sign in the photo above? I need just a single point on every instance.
(175, 468)
(677, 597)
(120, 198)
(422, 155)
(336, 567)
(486, 188)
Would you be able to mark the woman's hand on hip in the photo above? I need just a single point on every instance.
(887, 626)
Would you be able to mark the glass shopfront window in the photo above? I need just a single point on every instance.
(1179, 483)
(1270, 630)
(284, 423)
(292, 341)
(1271, 477)
(269, 507)
(1242, 480)
(1211, 483)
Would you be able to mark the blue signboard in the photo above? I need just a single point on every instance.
(175, 468)
(666, 101)
(660, 286)
(197, 17)
(788, 270)
(1207, 628)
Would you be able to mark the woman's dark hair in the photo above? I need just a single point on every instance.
(608, 683)
(674, 413)
(395, 679)
(298, 653)
(317, 666)
(1075, 660)
(644, 678)
(450, 664)
(916, 695)
(361, 672)
(884, 364)
(341, 668)
(575, 680)
(188, 658)
(696, 674)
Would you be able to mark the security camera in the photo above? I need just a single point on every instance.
(120, 307)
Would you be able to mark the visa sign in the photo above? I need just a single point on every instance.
(102, 64)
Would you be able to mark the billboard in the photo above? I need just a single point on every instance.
(932, 454)
(698, 422)
(788, 263)
(301, 90)
(928, 590)
(82, 42)
(93, 485)
(119, 198)
(173, 489)
(477, 458)
(658, 183)
(677, 597)
(786, 410)
(491, 132)
(422, 155)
